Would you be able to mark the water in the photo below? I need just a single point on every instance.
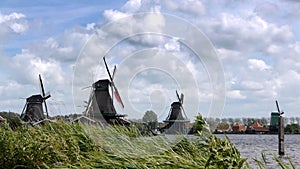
(251, 146)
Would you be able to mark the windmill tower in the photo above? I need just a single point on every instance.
(33, 111)
(100, 104)
(176, 120)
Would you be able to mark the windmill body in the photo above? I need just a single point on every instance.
(176, 121)
(102, 107)
(33, 111)
(176, 112)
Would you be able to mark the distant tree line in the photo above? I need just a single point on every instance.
(292, 124)
(249, 121)
(13, 119)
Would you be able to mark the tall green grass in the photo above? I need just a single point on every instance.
(76, 145)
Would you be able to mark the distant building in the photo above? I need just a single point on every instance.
(274, 122)
(238, 128)
(257, 128)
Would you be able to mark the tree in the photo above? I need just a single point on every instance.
(264, 121)
(237, 120)
(231, 121)
(150, 118)
(292, 120)
(292, 129)
(13, 119)
(298, 120)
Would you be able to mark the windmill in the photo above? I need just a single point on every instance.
(33, 111)
(100, 105)
(176, 119)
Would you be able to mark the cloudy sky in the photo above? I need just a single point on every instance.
(256, 45)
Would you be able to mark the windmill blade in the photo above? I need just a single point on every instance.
(118, 97)
(44, 95)
(185, 116)
(178, 96)
(116, 92)
(277, 106)
(181, 98)
(42, 85)
(113, 76)
(23, 111)
(86, 87)
(110, 77)
(47, 95)
(114, 72)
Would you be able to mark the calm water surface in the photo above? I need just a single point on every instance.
(251, 146)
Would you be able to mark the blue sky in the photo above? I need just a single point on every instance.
(257, 42)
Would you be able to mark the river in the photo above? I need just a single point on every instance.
(252, 146)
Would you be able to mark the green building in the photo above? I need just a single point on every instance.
(274, 122)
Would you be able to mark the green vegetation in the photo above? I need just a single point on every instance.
(13, 119)
(150, 118)
(75, 145)
(292, 129)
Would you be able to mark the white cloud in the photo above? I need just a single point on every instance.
(27, 66)
(172, 45)
(113, 15)
(18, 28)
(235, 94)
(90, 26)
(252, 85)
(258, 64)
(132, 6)
(11, 24)
(248, 33)
(193, 7)
(10, 17)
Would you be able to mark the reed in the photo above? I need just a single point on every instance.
(76, 145)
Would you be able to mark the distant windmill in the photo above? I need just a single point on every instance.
(33, 111)
(176, 120)
(100, 105)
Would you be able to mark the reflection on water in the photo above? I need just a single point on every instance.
(251, 146)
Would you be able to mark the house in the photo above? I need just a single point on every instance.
(238, 128)
(257, 128)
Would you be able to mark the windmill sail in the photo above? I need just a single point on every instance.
(44, 95)
(116, 93)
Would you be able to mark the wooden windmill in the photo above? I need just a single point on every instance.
(33, 111)
(100, 105)
(176, 120)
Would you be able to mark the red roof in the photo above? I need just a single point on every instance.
(258, 127)
(238, 127)
(1, 118)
